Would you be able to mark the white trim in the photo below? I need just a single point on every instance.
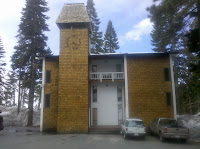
(42, 95)
(173, 86)
(126, 88)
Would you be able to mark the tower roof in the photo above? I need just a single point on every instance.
(73, 13)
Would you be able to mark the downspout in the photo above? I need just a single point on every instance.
(126, 88)
(173, 85)
(42, 94)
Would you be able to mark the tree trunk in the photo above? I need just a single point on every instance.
(19, 105)
(31, 93)
(39, 99)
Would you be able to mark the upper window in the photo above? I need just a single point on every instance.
(94, 68)
(167, 74)
(47, 100)
(169, 98)
(48, 76)
(118, 68)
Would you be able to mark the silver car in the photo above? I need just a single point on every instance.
(133, 127)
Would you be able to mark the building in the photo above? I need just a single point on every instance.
(83, 91)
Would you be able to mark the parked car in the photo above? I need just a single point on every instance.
(1, 122)
(168, 128)
(133, 127)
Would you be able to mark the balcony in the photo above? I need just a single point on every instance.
(107, 76)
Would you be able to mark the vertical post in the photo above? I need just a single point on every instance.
(126, 88)
(42, 95)
(173, 85)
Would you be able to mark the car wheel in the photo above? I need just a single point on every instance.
(150, 132)
(125, 136)
(162, 139)
(121, 132)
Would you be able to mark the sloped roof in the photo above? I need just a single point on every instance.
(73, 13)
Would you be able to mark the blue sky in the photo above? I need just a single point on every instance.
(129, 18)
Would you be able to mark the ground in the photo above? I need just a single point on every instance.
(31, 138)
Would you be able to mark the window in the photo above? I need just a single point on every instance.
(48, 76)
(169, 98)
(47, 100)
(167, 74)
(118, 68)
(94, 68)
(94, 93)
(119, 93)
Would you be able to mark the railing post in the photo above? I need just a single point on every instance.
(113, 77)
(100, 77)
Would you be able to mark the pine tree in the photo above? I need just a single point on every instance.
(110, 39)
(2, 69)
(10, 88)
(31, 44)
(96, 37)
(173, 19)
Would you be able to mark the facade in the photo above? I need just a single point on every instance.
(83, 91)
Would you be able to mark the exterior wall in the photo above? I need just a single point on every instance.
(107, 65)
(50, 113)
(147, 87)
(73, 81)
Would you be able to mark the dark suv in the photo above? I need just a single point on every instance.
(1, 122)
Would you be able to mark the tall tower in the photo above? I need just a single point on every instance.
(74, 25)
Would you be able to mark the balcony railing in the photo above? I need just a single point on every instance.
(107, 76)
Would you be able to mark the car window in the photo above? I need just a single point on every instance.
(136, 124)
(168, 122)
(126, 123)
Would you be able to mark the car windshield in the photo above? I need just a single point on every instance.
(168, 122)
(135, 124)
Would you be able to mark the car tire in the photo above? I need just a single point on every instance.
(162, 139)
(150, 132)
(125, 136)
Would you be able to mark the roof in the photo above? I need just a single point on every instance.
(73, 13)
(118, 55)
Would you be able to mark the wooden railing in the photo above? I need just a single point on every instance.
(107, 76)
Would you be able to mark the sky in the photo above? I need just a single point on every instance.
(129, 18)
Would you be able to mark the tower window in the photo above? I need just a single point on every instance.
(47, 100)
(167, 74)
(48, 76)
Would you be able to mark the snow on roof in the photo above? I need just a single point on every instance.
(73, 13)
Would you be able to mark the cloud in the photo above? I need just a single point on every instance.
(139, 30)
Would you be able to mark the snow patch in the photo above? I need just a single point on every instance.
(11, 118)
(193, 123)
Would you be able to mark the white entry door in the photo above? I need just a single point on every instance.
(106, 104)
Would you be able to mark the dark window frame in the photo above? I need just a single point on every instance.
(94, 68)
(167, 74)
(48, 76)
(119, 93)
(47, 100)
(94, 94)
(169, 98)
(118, 67)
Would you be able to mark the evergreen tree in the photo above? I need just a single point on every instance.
(110, 39)
(31, 44)
(2, 69)
(10, 88)
(173, 20)
(96, 37)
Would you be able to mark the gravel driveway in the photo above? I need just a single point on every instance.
(11, 139)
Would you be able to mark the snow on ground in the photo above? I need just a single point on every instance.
(11, 118)
(193, 123)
